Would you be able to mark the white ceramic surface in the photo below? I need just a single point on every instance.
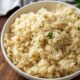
(28, 8)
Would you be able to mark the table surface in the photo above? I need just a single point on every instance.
(6, 72)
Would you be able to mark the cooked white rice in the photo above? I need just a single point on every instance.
(45, 44)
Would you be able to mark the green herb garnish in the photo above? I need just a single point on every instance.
(77, 3)
(56, 49)
(50, 35)
(79, 28)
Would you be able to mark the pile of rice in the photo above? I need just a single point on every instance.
(45, 44)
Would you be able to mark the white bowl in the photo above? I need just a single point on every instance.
(28, 8)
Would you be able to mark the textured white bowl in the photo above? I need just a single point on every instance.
(28, 8)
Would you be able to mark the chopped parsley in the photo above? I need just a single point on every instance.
(79, 28)
(50, 34)
(56, 49)
(77, 3)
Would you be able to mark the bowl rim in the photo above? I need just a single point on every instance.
(14, 66)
